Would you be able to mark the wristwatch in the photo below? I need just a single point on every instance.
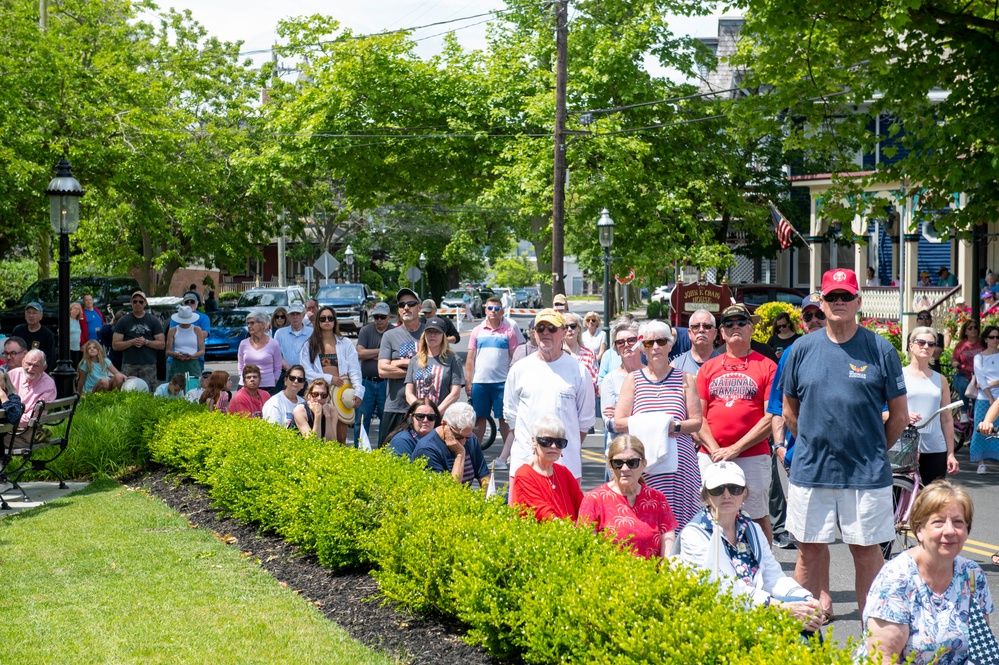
(676, 427)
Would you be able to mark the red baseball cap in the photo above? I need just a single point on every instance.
(840, 279)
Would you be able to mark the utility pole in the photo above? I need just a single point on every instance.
(558, 203)
(43, 15)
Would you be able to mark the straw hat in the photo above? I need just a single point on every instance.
(343, 400)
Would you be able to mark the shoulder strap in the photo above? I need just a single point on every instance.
(971, 580)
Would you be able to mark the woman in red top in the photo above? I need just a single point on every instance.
(633, 512)
(548, 488)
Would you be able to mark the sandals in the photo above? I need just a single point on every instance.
(995, 559)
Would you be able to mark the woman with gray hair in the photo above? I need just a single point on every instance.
(547, 488)
(926, 391)
(452, 447)
(261, 350)
(659, 404)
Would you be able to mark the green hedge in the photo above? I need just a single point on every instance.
(544, 593)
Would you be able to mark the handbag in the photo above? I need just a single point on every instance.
(971, 392)
(982, 646)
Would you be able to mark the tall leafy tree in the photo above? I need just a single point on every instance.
(928, 68)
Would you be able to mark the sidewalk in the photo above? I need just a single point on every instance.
(39, 494)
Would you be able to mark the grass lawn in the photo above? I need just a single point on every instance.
(110, 575)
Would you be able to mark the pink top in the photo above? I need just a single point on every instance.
(964, 356)
(642, 526)
(246, 404)
(30, 392)
(555, 497)
(268, 359)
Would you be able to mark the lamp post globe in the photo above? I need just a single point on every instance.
(64, 192)
(348, 258)
(605, 234)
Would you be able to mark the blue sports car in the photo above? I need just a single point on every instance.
(228, 330)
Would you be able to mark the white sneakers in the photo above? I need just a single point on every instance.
(982, 469)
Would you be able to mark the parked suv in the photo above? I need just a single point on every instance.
(108, 292)
(270, 298)
(351, 302)
(754, 295)
(456, 298)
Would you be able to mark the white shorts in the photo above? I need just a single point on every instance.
(864, 517)
(757, 471)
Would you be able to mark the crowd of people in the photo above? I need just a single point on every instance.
(697, 422)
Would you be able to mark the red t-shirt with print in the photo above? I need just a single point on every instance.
(736, 391)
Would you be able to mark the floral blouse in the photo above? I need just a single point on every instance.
(743, 561)
(900, 595)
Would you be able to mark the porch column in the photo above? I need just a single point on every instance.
(911, 239)
(964, 272)
(815, 262)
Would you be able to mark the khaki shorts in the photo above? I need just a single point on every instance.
(864, 517)
(757, 471)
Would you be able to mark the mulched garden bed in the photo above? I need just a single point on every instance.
(351, 599)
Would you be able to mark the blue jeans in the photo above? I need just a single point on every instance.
(373, 404)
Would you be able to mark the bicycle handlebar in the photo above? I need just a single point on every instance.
(926, 421)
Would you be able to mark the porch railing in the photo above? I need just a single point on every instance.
(881, 302)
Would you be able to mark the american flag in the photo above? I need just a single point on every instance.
(782, 227)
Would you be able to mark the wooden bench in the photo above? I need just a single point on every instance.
(22, 444)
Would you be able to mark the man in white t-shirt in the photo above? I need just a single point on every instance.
(278, 409)
(548, 383)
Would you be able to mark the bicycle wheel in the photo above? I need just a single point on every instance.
(489, 435)
(901, 491)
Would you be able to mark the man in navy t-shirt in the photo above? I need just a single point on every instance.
(835, 385)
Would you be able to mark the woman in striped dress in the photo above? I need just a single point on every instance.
(671, 394)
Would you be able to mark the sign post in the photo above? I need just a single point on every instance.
(413, 275)
(326, 265)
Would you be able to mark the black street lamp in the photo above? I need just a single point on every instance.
(423, 266)
(605, 231)
(348, 258)
(64, 194)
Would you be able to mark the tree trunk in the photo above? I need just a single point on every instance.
(146, 268)
(165, 275)
(44, 253)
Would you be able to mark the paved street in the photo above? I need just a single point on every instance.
(984, 490)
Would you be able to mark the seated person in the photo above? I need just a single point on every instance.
(548, 488)
(249, 400)
(280, 409)
(723, 540)
(919, 602)
(174, 388)
(317, 416)
(32, 383)
(625, 507)
(452, 447)
(96, 373)
(195, 395)
(421, 418)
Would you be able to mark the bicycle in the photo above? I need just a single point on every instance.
(963, 429)
(489, 435)
(904, 456)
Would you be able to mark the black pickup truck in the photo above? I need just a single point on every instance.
(108, 292)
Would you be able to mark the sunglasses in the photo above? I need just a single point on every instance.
(992, 337)
(649, 343)
(379, 317)
(12, 354)
(808, 316)
(138, 301)
(493, 308)
(280, 316)
(734, 490)
(296, 379)
(408, 304)
(632, 463)
(319, 395)
(731, 323)
(572, 326)
(424, 416)
(923, 342)
(549, 441)
(549, 328)
(924, 318)
(457, 437)
(702, 326)
(630, 341)
(326, 319)
(840, 297)
(782, 326)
